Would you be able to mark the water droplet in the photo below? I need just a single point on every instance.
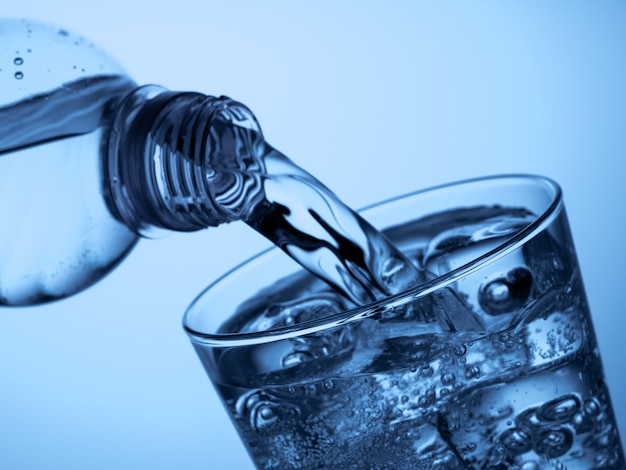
(18, 61)
(19, 75)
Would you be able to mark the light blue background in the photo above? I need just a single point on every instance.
(374, 99)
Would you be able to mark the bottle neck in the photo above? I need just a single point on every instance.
(182, 161)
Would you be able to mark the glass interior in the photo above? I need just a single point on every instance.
(206, 316)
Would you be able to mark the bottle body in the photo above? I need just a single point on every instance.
(89, 162)
(57, 236)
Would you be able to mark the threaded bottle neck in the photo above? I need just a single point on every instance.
(182, 161)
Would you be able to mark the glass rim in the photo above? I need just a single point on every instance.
(393, 301)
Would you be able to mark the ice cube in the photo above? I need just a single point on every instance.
(496, 293)
(433, 448)
(315, 306)
(286, 313)
(462, 244)
(453, 312)
(273, 309)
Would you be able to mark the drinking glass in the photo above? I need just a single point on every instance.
(490, 362)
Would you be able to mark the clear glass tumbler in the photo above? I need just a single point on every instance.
(492, 362)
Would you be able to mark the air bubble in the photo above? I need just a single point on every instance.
(19, 75)
(505, 294)
(448, 378)
(554, 443)
(578, 420)
(424, 401)
(460, 350)
(560, 410)
(472, 372)
(591, 407)
(427, 371)
(263, 409)
(516, 440)
(295, 358)
(18, 61)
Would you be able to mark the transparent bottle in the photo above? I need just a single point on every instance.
(89, 161)
(76, 192)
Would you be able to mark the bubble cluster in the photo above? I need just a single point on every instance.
(508, 381)
(548, 430)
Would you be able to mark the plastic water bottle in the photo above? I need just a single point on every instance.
(89, 162)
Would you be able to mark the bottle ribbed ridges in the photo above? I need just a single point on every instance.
(187, 161)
